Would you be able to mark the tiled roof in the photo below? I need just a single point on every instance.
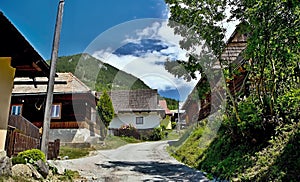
(71, 85)
(135, 100)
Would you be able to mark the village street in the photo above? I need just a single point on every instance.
(147, 161)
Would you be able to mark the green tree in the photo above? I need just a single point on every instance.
(105, 109)
(273, 28)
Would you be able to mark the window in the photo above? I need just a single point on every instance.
(16, 109)
(139, 120)
(56, 111)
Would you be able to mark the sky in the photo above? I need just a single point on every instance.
(83, 20)
(131, 35)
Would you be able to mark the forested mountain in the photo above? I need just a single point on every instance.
(98, 75)
(172, 103)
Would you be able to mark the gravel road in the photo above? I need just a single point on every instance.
(147, 161)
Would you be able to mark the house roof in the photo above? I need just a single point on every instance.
(163, 104)
(145, 100)
(234, 46)
(68, 83)
(27, 61)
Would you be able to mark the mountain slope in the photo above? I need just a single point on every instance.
(98, 75)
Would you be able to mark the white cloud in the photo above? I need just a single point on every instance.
(146, 66)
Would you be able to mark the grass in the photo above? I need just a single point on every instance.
(277, 159)
(74, 153)
(130, 139)
(173, 134)
(111, 142)
(69, 175)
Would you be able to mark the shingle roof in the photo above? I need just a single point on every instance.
(135, 100)
(236, 44)
(73, 85)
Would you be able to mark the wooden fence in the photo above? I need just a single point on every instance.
(24, 126)
(23, 142)
(23, 135)
(53, 149)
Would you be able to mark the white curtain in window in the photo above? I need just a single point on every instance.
(55, 111)
(16, 110)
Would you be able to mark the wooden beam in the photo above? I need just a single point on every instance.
(37, 82)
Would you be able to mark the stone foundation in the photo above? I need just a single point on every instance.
(73, 135)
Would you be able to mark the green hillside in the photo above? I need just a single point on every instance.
(98, 75)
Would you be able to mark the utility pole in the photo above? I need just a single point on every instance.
(178, 118)
(50, 87)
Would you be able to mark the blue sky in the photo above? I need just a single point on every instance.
(83, 20)
(100, 28)
(131, 35)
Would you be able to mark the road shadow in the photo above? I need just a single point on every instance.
(159, 171)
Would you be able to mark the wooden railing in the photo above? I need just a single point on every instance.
(24, 126)
(23, 135)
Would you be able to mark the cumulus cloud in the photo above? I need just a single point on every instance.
(147, 65)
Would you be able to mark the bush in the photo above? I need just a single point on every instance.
(288, 105)
(32, 155)
(128, 131)
(251, 124)
(69, 175)
(173, 124)
(18, 160)
(157, 134)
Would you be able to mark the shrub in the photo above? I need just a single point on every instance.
(288, 105)
(128, 131)
(157, 134)
(251, 119)
(18, 160)
(32, 155)
(69, 175)
(173, 124)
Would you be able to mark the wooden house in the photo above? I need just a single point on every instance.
(197, 106)
(139, 108)
(74, 116)
(17, 59)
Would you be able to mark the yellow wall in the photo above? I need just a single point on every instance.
(7, 74)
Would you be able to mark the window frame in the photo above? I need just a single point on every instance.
(59, 113)
(139, 120)
(18, 105)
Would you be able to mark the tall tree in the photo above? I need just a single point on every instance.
(105, 109)
(273, 28)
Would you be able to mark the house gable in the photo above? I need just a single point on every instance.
(132, 104)
(27, 61)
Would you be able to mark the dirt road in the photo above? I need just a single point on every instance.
(147, 161)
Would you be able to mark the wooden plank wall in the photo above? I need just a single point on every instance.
(17, 142)
(24, 126)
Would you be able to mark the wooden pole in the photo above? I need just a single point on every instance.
(178, 118)
(50, 87)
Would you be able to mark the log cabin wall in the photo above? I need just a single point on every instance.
(233, 54)
(75, 109)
